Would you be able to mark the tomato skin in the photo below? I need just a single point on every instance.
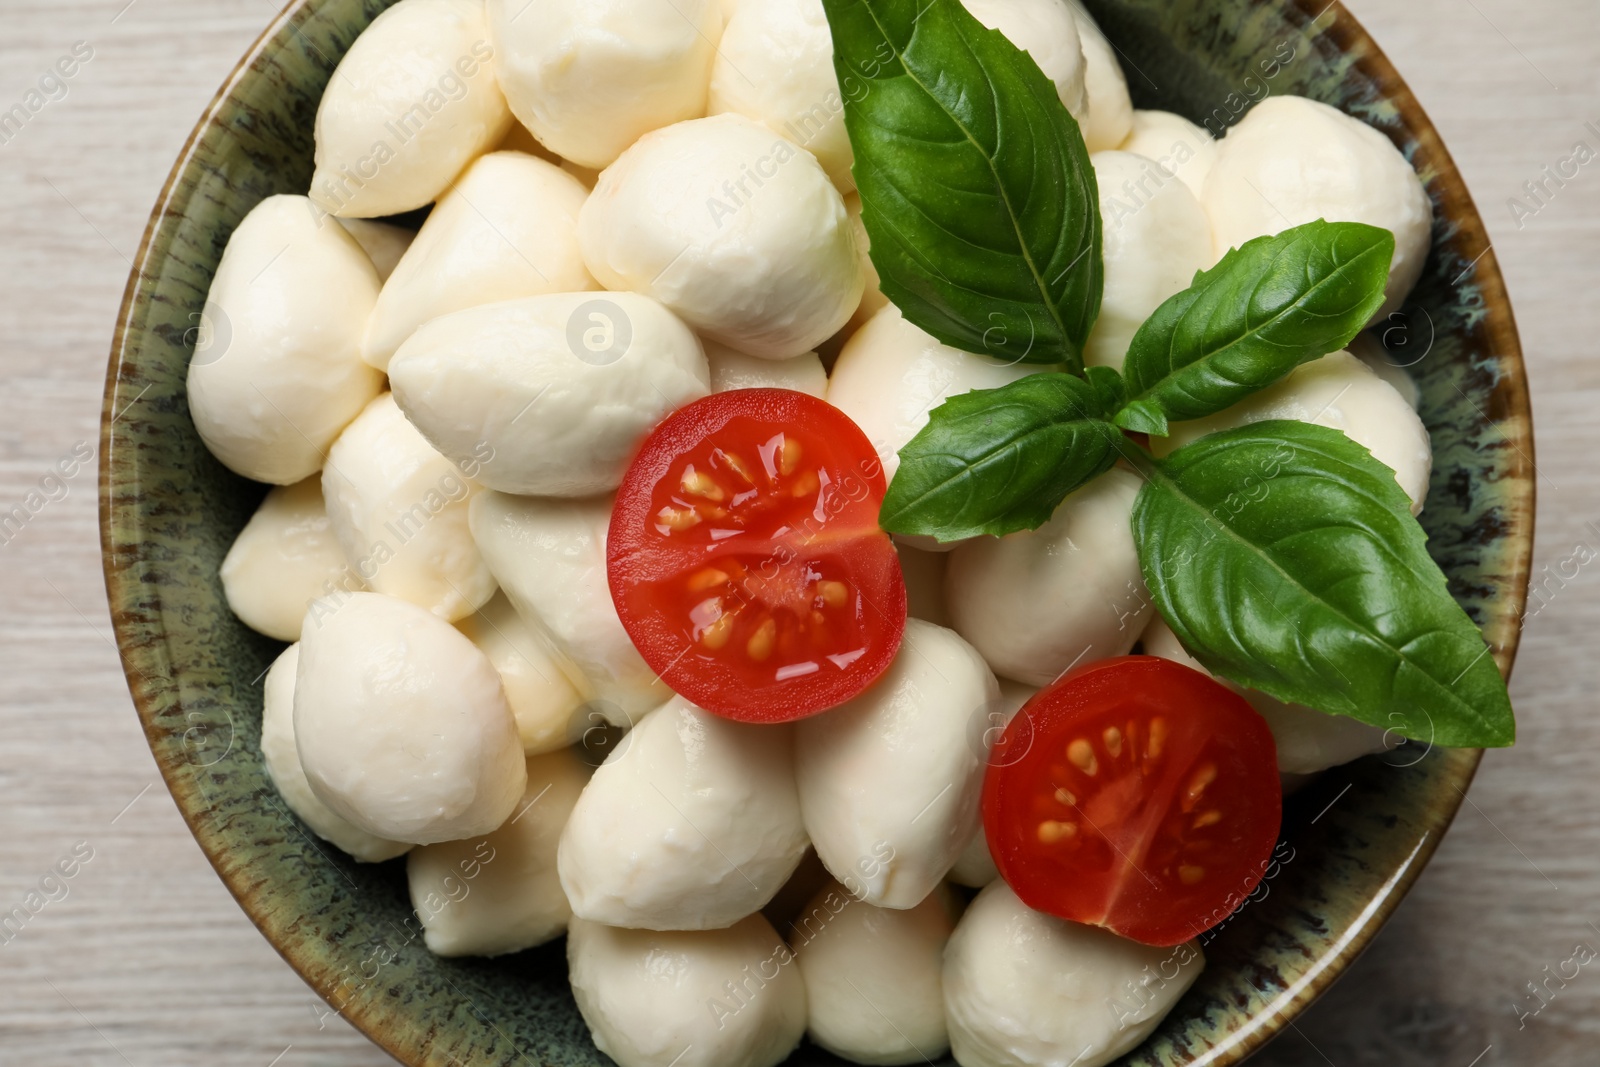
(1168, 828)
(695, 578)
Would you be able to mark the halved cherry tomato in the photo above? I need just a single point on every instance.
(745, 557)
(1136, 794)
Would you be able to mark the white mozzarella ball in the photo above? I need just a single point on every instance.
(1048, 31)
(1039, 602)
(924, 573)
(550, 558)
(1290, 161)
(1181, 148)
(412, 102)
(731, 369)
(543, 698)
(1340, 392)
(700, 998)
(401, 723)
(491, 895)
(384, 244)
(1308, 741)
(1110, 108)
(872, 298)
(889, 782)
(890, 375)
(399, 510)
(277, 369)
(732, 227)
(550, 395)
(975, 867)
(1024, 989)
(507, 228)
(282, 760)
(589, 79)
(285, 557)
(691, 824)
(1155, 238)
(775, 65)
(873, 993)
(1371, 351)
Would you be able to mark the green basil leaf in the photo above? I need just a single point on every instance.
(1267, 307)
(995, 461)
(1286, 559)
(976, 189)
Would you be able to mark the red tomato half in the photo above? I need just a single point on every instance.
(745, 556)
(1135, 794)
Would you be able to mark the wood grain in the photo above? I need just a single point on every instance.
(146, 960)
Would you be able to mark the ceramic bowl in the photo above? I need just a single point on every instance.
(1353, 842)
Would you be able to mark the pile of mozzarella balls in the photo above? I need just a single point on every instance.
(635, 204)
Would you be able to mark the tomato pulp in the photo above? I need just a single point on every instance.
(745, 559)
(1136, 794)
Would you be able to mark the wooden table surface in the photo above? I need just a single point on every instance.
(142, 958)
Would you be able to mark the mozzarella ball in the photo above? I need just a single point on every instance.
(733, 228)
(975, 867)
(1156, 238)
(543, 698)
(1308, 741)
(285, 557)
(1104, 86)
(282, 760)
(1024, 989)
(691, 824)
(550, 558)
(704, 998)
(1290, 161)
(775, 65)
(872, 298)
(924, 576)
(412, 102)
(1041, 601)
(499, 893)
(384, 244)
(399, 510)
(1178, 146)
(873, 993)
(1048, 31)
(507, 228)
(889, 781)
(1340, 392)
(735, 370)
(890, 375)
(277, 369)
(550, 395)
(401, 723)
(589, 79)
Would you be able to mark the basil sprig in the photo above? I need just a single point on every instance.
(1282, 554)
(999, 460)
(1270, 305)
(1285, 558)
(976, 189)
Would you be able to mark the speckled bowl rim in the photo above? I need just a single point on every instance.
(1502, 628)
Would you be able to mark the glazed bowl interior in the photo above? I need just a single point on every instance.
(1353, 841)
